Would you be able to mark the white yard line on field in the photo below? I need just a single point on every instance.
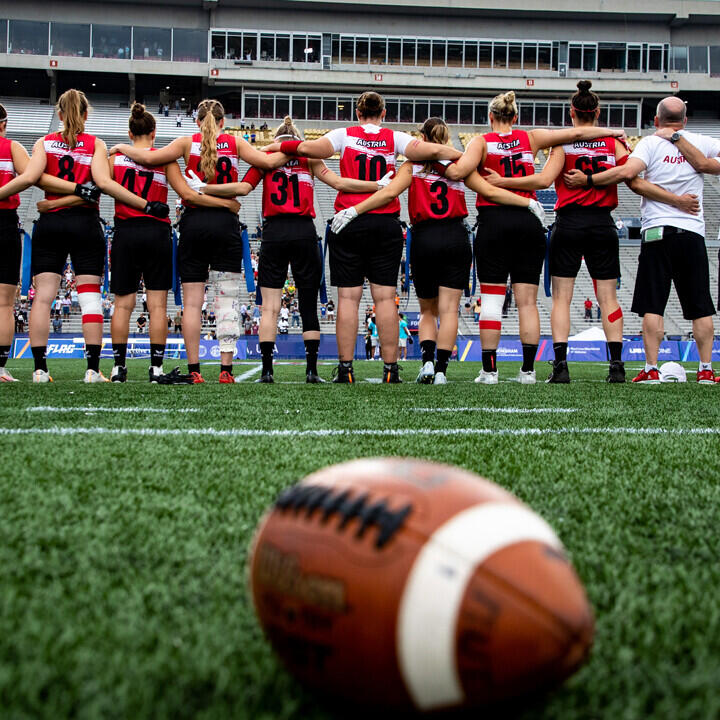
(91, 409)
(508, 410)
(332, 432)
(249, 373)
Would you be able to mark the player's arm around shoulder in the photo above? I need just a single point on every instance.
(703, 157)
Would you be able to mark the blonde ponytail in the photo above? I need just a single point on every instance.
(210, 113)
(504, 107)
(73, 105)
(287, 129)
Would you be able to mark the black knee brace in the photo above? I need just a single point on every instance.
(307, 304)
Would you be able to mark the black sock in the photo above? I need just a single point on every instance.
(266, 350)
(390, 367)
(92, 354)
(428, 350)
(194, 367)
(489, 360)
(443, 358)
(119, 353)
(560, 352)
(312, 347)
(38, 352)
(226, 368)
(4, 354)
(157, 353)
(615, 351)
(529, 352)
(346, 364)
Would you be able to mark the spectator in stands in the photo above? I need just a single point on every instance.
(476, 310)
(19, 321)
(178, 322)
(368, 342)
(178, 120)
(599, 312)
(74, 300)
(248, 325)
(57, 324)
(211, 318)
(295, 316)
(331, 310)
(141, 323)
(169, 324)
(66, 305)
(673, 248)
(508, 300)
(374, 338)
(69, 276)
(143, 298)
(403, 337)
(588, 309)
(31, 294)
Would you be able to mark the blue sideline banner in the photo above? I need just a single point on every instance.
(689, 352)
(669, 350)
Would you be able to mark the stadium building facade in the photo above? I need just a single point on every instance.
(310, 58)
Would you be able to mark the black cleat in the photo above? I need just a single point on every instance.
(313, 378)
(119, 374)
(391, 374)
(174, 377)
(616, 372)
(560, 373)
(344, 373)
(266, 377)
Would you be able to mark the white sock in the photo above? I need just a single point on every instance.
(704, 366)
(648, 368)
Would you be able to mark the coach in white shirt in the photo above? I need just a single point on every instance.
(673, 246)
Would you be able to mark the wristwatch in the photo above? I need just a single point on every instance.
(675, 137)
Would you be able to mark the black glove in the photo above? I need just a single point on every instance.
(157, 209)
(88, 191)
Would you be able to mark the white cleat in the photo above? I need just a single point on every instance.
(426, 374)
(91, 376)
(525, 377)
(5, 376)
(41, 376)
(487, 378)
(440, 379)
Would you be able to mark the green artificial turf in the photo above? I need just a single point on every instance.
(123, 556)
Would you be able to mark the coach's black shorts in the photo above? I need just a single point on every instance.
(587, 232)
(10, 248)
(209, 239)
(440, 254)
(509, 241)
(289, 240)
(140, 246)
(679, 257)
(369, 247)
(76, 232)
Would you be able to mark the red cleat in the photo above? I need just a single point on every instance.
(707, 377)
(197, 378)
(651, 377)
(226, 378)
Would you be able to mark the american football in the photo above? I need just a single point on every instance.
(411, 584)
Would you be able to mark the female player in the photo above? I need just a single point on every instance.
(289, 238)
(142, 246)
(440, 253)
(372, 247)
(210, 240)
(510, 241)
(69, 159)
(585, 228)
(13, 160)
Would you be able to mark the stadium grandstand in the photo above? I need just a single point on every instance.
(311, 59)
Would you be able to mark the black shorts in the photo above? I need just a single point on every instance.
(10, 248)
(679, 257)
(140, 247)
(509, 241)
(440, 254)
(210, 239)
(369, 247)
(587, 232)
(289, 240)
(75, 232)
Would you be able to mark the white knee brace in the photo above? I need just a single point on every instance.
(90, 303)
(227, 290)
(492, 298)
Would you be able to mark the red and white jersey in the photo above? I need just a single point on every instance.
(7, 173)
(226, 168)
(367, 152)
(150, 183)
(510, 155)
(288, 190)
(434, 197)
(591, 156)
(71, 165)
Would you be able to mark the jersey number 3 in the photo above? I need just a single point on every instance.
(441, 204)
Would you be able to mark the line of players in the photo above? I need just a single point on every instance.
(365, 242)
